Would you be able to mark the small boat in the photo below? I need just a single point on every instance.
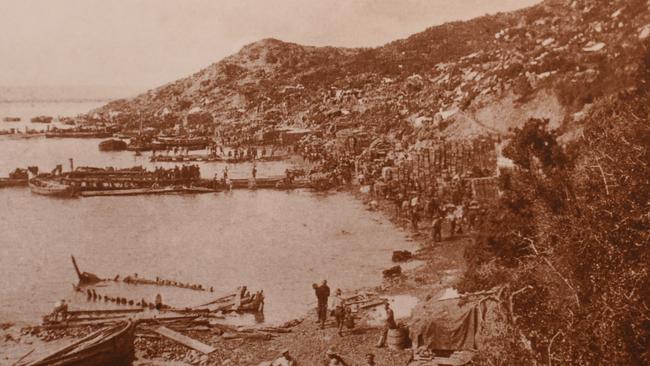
(11, 119)
(69, 121)
(112, 145)
(42, 119)
(112, 346)
(49, 187)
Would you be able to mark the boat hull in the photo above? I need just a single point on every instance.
(112, 145)
(55, 190)
(116, 349)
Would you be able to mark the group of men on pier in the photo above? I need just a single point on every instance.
(184, 173)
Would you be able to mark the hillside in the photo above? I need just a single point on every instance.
(459, 79)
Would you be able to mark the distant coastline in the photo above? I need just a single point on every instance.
(62, 100)
(66, 93)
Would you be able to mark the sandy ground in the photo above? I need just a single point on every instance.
(434, 268)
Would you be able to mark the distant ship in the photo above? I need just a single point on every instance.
(42, 119)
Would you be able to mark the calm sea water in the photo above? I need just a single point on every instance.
(278, 241)
(27, 110)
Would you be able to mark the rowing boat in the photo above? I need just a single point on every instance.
(112, 346)
(48, 187)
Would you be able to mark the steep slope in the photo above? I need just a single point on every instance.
(551, 59)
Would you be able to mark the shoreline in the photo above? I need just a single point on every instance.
(441, 265)
(431, 270)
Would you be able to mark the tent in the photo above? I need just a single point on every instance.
(450, 324)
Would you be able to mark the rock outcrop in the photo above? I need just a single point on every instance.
(492, 73)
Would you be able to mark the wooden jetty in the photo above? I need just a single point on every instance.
(147, 191)
(17, 178)
(161, 144)
(276, 182)
(214, 158)
(13, 182)
(186, 158)
(26, 135)
(78, 134)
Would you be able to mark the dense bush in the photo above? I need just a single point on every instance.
(569, 241)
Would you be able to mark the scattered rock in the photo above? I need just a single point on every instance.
(594, 47)
(644, 32)
(402, 255)
(392, 272)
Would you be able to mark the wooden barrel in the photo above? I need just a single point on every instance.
(397, 338)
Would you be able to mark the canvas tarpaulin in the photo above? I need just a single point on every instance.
(451, 324)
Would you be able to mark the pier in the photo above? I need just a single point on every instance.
(214, 158)
(275, 182)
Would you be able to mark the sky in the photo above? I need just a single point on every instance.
(140, 44)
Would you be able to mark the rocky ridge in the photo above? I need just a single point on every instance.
(459, 79)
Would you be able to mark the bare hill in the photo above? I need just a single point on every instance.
(487, 74)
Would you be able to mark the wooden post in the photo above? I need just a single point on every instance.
(76, 268)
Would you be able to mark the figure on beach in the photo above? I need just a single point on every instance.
(332, 359)
(388, 325)
(60, 308)
(322, 296)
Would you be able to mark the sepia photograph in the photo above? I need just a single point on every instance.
(324, 182)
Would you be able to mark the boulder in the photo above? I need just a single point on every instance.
(391, 272)
(402, 256)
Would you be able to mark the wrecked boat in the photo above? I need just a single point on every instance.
(112, 346)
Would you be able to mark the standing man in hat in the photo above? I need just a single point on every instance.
(390, 324)
(322, 295)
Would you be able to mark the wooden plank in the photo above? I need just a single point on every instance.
(184, 340)
(221, 299)
(167, 318)
(89, 318)
(23, 357)
(80, 324)
(444, 361)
